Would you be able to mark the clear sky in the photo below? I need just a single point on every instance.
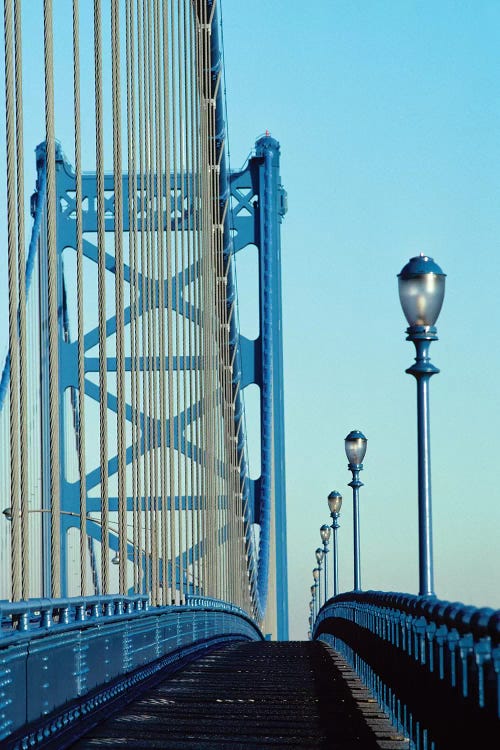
(388, 116)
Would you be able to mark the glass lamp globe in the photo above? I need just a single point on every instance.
(313, 591)
(325, 532)
(335, 501)
(319, 555)
(355, 447)
(421, 290)
(315, 573)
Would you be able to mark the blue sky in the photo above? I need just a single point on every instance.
(388, 117)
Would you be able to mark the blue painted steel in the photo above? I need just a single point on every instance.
(434, 665)
(259, 206)
(356, 483)
(335, 526)
(325, 574)
(102, 646)
(423, 370)
(68, 354)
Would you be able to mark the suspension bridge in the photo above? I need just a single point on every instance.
(143, 576)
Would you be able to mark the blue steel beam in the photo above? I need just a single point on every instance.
(259, 204)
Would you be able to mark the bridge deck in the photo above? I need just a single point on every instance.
(254, 695)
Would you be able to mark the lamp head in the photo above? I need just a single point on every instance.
(319, 555)
(325, 533)
(335, 501)
(315, 573)
(355, 447)
(421, 290)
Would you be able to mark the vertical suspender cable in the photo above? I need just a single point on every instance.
(210, 305)
(188, 38)
(135, 208)
(120, 344)
(212, 572)
(101, 292)
(192, 281)
(23, 410)
(201, 516)
(174, 20)
(151, 295)
(55, 504)
(144, 285)
(153, 374)
(182, 52)
(79, 293)
(133, 292)
(213, 431)
(13, 304)
(159, 110)
(132, 225)
(170, 286)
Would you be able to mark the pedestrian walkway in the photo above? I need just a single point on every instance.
(254, 695)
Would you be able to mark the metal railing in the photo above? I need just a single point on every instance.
(63, 661)
(433, 665)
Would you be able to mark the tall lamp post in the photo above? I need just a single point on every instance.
(335, 504)
(355, 449)
(421, 292)
(315, 595)
(314, 588)
(325, 532)
(319, 560)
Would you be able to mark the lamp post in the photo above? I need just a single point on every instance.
(421, 292)
(355, 449)
(319, 560)
(316, 597)
(335, 504)
(325, 532)
(313, 600)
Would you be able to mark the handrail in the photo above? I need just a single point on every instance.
(433, 664)
(104, 646)
(35, 617)
(479, 621)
